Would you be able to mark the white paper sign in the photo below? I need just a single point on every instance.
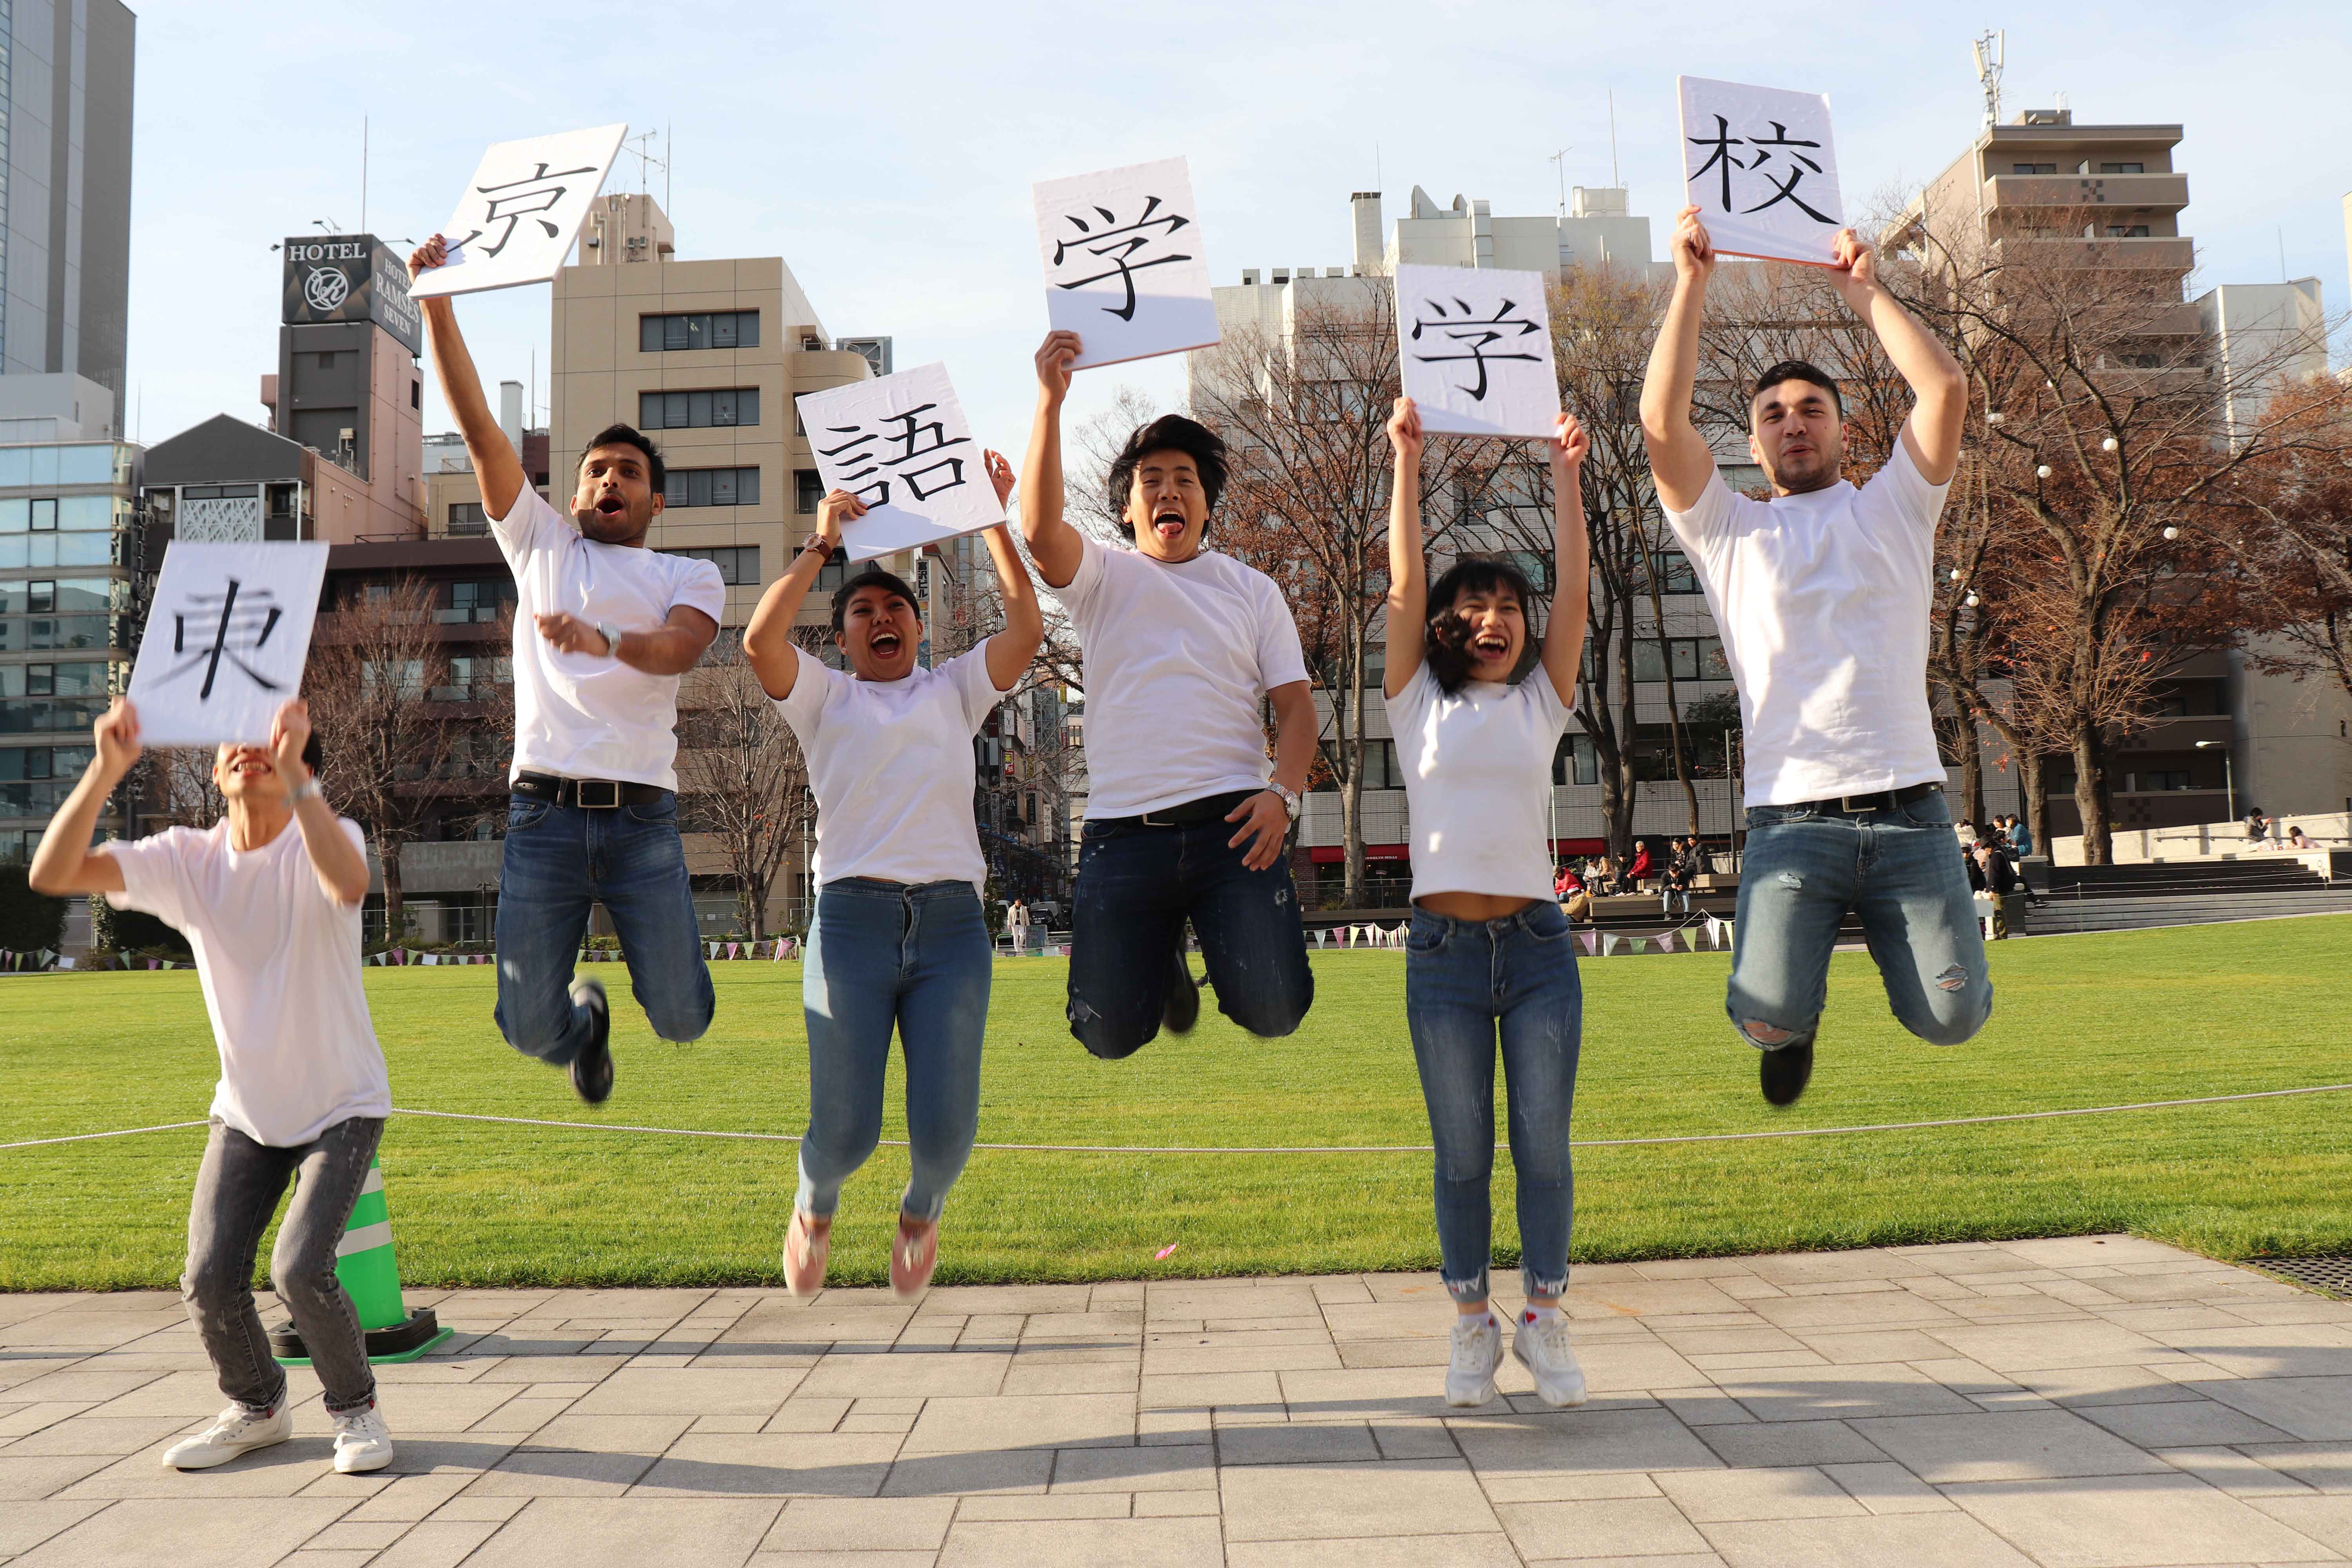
(521, 211)
(226, 636)
(900, 444)
(1474, 347)
(1760, 166)
(1124, 267)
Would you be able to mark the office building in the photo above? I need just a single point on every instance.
(65, 208)
(70, 527)
(706, 357)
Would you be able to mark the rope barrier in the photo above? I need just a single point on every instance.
(1295, 1148)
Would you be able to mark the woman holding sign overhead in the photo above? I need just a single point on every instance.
(1490, 958)
(900, 939)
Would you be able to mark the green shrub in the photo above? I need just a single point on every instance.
(28, 920)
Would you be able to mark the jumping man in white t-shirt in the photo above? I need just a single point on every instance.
(1183, 645)
(1823, 596)
(268, 897)
(605, 628)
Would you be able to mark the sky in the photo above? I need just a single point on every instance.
(885, 150)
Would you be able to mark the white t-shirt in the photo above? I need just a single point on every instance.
(891, 763)
(1477, 774)
(1177, 658)
(279, 961)
(1823, 601)
(585, 715)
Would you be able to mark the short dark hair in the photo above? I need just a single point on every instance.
(313, 753)
(891, 583)
(1168, 433)
(657, 472)
(1799, 370)
(1447, 635)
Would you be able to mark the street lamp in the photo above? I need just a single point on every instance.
(2229, 776)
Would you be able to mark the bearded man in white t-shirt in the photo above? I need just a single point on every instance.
(1184, 819)
(604, 629)
(1824, 595)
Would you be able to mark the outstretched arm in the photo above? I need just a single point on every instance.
(1932, 433)
(1563, 649)
(670, 648)
(342, 869)
(1054, 544)
(65, 863)
(496, 463)
(1408, 612)
(1680, 463)
(1010, 651)
(768, 640)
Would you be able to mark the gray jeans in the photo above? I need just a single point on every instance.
(237, 1190)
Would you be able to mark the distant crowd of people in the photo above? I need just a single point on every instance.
(1670, 874)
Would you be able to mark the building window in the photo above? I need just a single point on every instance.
(1676, 574)
(2033, 168)
(1575, 762)
(697, 410)
(2123, 168)
(702, 330)
(477, 602)
(45, 516)
(38, 697)
(738, 563)
(1691, 658)
(829, 576)
(2128, 231)
(417, 394)
(468, 517)
(711, 487)
(808, 490)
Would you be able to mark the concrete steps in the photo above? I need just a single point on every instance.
(2139, 912)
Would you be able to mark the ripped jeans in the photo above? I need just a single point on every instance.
(1468, 985)
(1900, 871)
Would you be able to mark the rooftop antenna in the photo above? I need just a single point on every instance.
(1613, 180)
(641, 148)
(363, 152)
(2282, 239)
(1991, 54)
(1560, 166)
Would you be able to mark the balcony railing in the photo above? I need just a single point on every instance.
(2155, 193)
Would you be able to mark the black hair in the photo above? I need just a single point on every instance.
(1168, 433)
(1447, 636)
(313, 752)
(1799, 370)
(657, 472)
(891, 583)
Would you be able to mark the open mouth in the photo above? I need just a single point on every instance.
(1168, 522)
(1490, 645)
(884, 645)
(611, 506)
(251, 766)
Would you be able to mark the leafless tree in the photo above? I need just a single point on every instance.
(743, 778)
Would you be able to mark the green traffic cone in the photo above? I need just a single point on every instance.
(364, 1264)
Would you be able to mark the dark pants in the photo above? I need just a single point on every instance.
(1136, 886)
(560, 860)
(237, 1189)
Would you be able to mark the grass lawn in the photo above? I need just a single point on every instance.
(2080, 1021)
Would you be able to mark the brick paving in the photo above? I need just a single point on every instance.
(2072, 1404)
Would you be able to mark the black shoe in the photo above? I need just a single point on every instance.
(1785, 1072)
(592, 1069)
(1183, 1008)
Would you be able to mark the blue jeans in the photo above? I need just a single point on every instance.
(1900, 871)
(884, 953)
(559, 861)
(1136, 886)
(1466, 983)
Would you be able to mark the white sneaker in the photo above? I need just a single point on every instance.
(235, 1430)
(1541, 1346)
(362, 1442)
(1477, 1352)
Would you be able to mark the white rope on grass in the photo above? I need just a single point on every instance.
(1298, 1147)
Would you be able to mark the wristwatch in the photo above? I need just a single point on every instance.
(1289, 801)
(308, 789)
(819, 541)
(612, 635)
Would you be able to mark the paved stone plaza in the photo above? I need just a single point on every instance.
(2072, 1404)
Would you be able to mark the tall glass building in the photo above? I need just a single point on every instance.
(71, 542)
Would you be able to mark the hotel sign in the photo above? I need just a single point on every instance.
(350, 277)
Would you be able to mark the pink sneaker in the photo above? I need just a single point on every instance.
(913, 1256)
(806, 1244)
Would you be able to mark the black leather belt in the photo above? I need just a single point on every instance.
(587, 794)
(1208, 808)
(1863, 805)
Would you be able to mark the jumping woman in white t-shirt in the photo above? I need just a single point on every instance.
(1490, 957)
(900, 939)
